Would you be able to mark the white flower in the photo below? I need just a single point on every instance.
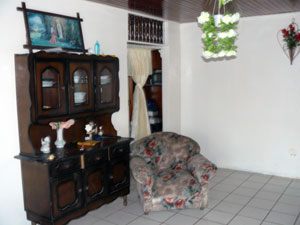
(235, 18)
(207, 54)
(231, 33)
(215, 55)
(222, 53)
(203, 18)
(204, 35)
(231, 53)
(222, 35)
(210, 35)
(226, 19)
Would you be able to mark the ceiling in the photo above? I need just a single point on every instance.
(184, 11)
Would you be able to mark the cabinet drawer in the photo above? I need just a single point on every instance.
(95, 158)
(64, 167)
(120, 151)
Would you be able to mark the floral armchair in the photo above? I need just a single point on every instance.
(170, 172)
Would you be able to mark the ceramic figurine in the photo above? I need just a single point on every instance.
(45, 144)
(100, 131)
(92, 130)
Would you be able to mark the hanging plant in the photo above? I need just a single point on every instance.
(219, 33)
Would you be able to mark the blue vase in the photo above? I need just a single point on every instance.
(97, 48)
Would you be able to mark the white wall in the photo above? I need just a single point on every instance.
(106, 24)
(244, 112)
(171, 78)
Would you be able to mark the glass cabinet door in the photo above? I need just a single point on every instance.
(50, 88)
(81, 87)
(106, 86)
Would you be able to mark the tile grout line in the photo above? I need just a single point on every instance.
(220, 201)
(250, 198)
(275, 201)
(225, 196)
(298, 216)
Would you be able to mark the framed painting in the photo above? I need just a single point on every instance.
(48, 30)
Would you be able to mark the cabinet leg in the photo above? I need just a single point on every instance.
(125, 200)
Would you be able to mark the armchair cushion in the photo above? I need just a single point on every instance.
(143, 174)
(201, 168)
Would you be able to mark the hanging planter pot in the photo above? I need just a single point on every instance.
(217, 20)
(219, 33)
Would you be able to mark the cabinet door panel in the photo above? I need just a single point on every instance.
(50, 89)
(95, 183)
(81, 87)
(67, 194)
(107, 86)
(119, 174)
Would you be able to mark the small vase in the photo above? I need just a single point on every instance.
(59, 143)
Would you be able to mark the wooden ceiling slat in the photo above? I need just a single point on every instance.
(183, 11)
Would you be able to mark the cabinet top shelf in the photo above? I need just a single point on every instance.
(43, 54)
(72, 150)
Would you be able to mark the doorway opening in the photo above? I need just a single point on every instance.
(153, 94)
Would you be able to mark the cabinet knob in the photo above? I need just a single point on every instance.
(62, 87)
(111, 177)
(98, 158)
(121, 150)
(79, 190)
(87, 188)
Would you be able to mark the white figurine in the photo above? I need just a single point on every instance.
(88, 129)
(100, 131)
(45, 144)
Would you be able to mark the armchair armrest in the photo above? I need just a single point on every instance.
(143, 174)
(201, 168)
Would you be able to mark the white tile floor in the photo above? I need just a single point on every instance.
(235, 198)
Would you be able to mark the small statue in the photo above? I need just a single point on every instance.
(100, 131)
(92, 130)
(45, 144)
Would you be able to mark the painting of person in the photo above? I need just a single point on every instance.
(53, 33)
(59, 29)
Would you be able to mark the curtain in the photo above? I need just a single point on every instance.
(139, 67)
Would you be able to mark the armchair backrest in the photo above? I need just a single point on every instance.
(165, 150)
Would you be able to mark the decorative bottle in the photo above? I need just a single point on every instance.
(97, 48)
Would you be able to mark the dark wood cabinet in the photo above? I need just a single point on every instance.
(107, 86)
(95, 183)
(50, 89)
(56, 87)
(69, 84)
(81, 96)
(67, 194)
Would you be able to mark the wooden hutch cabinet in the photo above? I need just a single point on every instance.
(55, 87)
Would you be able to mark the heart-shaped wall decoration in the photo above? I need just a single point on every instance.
(289, 40)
